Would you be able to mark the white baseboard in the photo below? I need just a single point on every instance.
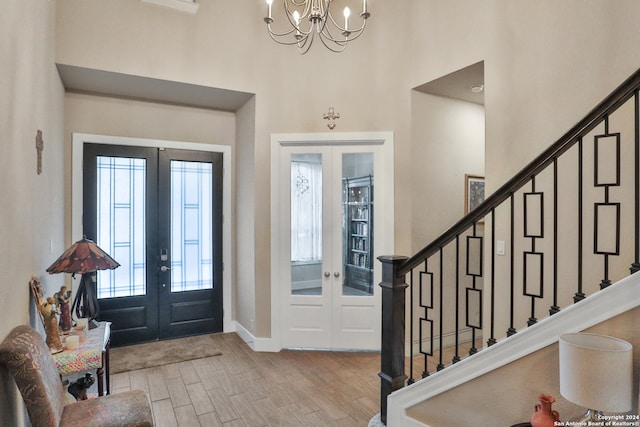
(257, 344)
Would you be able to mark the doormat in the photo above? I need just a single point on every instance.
(158, 353)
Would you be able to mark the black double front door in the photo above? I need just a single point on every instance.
(158, 212)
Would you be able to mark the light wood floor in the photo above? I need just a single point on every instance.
(243, 388)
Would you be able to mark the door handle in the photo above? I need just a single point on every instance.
(327, 274)
(164, 268)
(336, 274)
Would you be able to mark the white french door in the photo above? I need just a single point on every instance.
(327, 275)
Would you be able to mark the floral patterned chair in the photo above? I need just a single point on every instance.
(26, 356)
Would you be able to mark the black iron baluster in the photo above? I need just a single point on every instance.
(579, 296)
(492, 339)
(606, 252)
(533, 254)
(412, 289)
(474, 290)
(532, 319)
(426, 320)
(440, 364)
(456, 356)
(554, 308)
(512, 330)
(605, 281)
(635, 266)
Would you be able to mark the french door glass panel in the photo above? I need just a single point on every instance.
(357, 224)
(191, 219)
(306, 224)
(306, 195)
(121, 200)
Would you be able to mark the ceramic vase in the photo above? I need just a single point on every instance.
(543, 415)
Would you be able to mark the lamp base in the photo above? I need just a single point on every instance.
(590, 415)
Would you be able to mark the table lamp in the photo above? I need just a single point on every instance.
(596, 372)
(84, 257)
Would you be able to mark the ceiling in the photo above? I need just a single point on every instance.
(457, 85)
(80, 79)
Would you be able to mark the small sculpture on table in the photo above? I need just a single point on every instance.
(63, 297)
(49, 313)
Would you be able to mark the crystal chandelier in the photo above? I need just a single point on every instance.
(308, 17)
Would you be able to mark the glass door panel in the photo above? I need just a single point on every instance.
(191, 219)
(306, 224)
(121, 223)
(357, 223)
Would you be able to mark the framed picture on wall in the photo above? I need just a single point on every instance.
(473, 192)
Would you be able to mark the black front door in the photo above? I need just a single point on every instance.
(158, 212)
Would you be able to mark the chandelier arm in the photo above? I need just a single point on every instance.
(352, 35)
(284, 42)
(297, 2)
(274, 34)
(326, 37)
(304, 46)
(331, 47)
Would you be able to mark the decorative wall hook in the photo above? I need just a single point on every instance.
(331, 115)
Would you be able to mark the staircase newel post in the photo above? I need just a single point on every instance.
(392, 374)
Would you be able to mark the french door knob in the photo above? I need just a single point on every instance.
(164, 268)
(336, 274)
(327, 274)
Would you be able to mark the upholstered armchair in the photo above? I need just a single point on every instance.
(27, 358)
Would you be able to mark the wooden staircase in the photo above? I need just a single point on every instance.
(570, 223)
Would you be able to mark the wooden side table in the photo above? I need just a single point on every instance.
(92, 354)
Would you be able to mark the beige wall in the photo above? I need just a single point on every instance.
(246, 245)
(225, 45)
(448, 142)
(547, 63)
(31, 205)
